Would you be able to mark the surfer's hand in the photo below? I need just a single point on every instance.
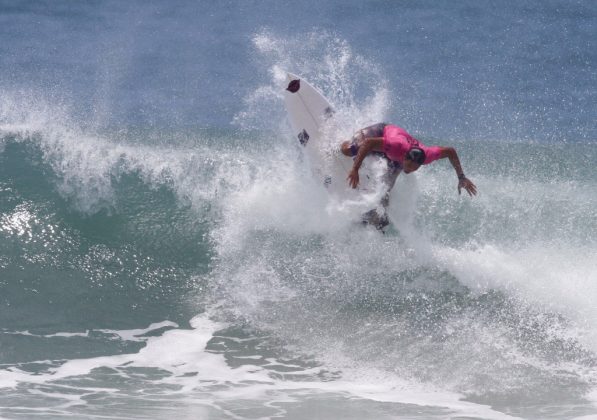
(353, 178)
(467, 184)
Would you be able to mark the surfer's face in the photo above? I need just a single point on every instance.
(409, 166)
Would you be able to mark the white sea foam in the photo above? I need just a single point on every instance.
(193, 369)
(137, 334)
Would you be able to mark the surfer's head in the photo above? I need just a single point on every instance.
(413, 159)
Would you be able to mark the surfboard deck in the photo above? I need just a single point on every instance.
(311, 117)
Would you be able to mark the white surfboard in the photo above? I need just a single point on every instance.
(311, 117)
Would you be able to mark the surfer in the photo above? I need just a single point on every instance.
(403, 153)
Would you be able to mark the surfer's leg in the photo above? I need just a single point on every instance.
(374, 217)
(378, 217)
(394, 169)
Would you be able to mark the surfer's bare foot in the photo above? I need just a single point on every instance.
(373, 218)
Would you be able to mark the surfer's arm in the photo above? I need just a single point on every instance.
(367, 146)
(463, 181)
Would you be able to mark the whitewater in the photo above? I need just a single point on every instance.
(164, 250)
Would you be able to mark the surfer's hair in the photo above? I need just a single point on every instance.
(416, 155)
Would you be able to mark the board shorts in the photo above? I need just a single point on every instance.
(375, 130)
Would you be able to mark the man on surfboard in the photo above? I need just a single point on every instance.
(403, 153)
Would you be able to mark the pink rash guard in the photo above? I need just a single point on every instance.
(396, 142)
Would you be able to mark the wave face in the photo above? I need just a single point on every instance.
(164, 252)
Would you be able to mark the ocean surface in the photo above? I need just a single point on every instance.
(165, 253)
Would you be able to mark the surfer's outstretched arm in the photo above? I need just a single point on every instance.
(463, 181)
(368, 145)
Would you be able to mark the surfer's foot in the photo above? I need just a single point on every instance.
(373, 218)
